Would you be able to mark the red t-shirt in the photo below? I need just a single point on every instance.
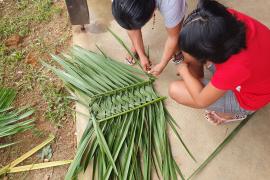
(247, 73)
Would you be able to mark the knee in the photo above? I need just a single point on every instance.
(174, 89)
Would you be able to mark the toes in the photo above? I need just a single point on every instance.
(219, 120)
(210, 118)
(129, 60)
(213, 119)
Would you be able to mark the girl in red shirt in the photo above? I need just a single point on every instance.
(236, 49)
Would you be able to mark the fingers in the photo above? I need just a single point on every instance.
(154, 72)
(146, 67)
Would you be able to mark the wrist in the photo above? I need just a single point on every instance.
(163, 63)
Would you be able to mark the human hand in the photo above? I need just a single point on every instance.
(145, 63)
(157, 69)
(181, 68)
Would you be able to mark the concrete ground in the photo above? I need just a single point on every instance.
(246, 157)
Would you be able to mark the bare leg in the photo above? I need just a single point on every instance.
(129, 58)
(137, 45)
(137, 41)
(180, 94)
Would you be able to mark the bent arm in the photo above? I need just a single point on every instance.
(202, 96)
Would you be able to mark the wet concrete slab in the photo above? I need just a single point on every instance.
(245, 158)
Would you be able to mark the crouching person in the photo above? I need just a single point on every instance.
(236, 49)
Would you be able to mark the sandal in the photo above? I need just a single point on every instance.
(178, 58)
(214, 118)
(131, 61)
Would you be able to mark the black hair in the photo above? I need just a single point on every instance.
(133, 14)
(212, 33)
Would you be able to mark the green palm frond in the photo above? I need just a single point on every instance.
(12, 121)
(126, 136)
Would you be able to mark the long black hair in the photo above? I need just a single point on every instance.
(133, 14)
(212, 33)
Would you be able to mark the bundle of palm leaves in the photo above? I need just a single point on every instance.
(12, 121)
(126, 134)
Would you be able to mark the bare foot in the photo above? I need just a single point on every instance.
(129, 59)
(218, 118)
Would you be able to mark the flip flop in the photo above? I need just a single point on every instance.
(178, 58)
(132, 61)
(214, 118)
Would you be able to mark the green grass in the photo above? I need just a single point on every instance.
(9, 59)
(11, 55)
(2, 54)
(30, 12)
(31, 78)
(39, 45)
(22, 18)
(56, 100)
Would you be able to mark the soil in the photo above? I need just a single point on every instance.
(64, 144)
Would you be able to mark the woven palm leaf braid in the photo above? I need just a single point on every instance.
(126, 134)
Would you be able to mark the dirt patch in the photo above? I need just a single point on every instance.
(45, 31)
(13, 41)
